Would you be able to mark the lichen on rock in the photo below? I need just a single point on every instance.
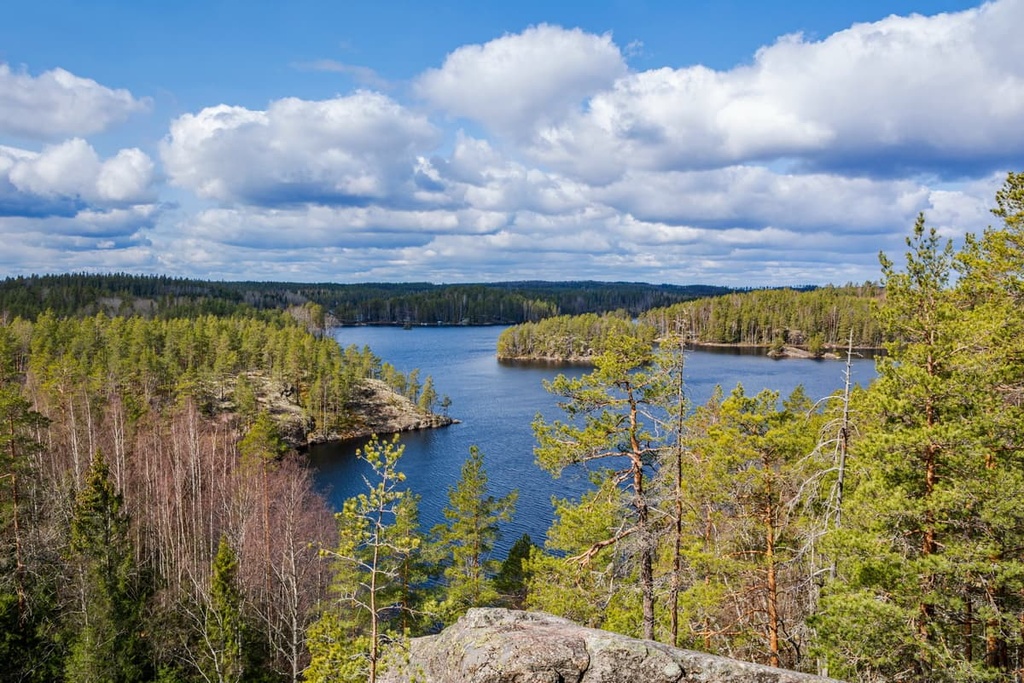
(509, 646)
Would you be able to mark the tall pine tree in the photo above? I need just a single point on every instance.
(468, 538)
(106, 631)
(376, 544)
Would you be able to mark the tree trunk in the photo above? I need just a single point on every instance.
(772, 587)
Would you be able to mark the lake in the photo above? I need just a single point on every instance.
(496, 402)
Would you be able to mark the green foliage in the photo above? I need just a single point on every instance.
(468, 537)
(428, 396)
(611, 422)
(824, 315)
(225, 628)
(147, 364)
(931, 570)
(560, 583)
(262, 443)
(29, 646)
(377, 544)
(513, 576)
(317, 305)
(106, 636)
(27, 602)
(337, 654)
(567, 337)
(763, 451)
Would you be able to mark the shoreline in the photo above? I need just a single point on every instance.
(787, 352)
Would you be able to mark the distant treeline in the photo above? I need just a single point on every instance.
(814, 319)
(374, 303)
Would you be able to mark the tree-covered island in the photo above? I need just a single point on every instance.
(809, 323)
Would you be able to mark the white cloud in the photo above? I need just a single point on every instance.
(517, 82)
(65, 208)
(58, 104)
(903, 92)
(753, 195)
(345, 150)
(127, 177)
(315, 226)
(795, 168)
(72, 171)
(478, 176)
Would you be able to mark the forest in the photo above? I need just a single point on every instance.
(818, 320)
(156, 526)
(569, 337)
(499, 303)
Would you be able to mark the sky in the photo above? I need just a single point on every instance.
(726, 142)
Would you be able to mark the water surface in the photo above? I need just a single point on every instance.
(496, 402)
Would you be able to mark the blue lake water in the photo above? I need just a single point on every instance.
(496, 403)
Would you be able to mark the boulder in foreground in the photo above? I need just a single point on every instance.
(508, 646)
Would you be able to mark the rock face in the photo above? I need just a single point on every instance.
(506, 646)
(379, 410)
(376, 409)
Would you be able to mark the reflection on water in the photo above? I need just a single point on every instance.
(497, 401)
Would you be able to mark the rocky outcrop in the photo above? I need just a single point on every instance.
(507, 646)
(374, 408)
(377, 409)
(797, 352)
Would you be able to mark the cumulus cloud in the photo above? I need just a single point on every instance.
(794, 168)
(347, 150)
(748, 196)
(897, 95)
(57, 104)
(316, 226)
(72, 172)
(66, 208)
(520, 81)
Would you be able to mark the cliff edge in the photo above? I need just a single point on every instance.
(508, 646)
(378, 409)
(373, 408)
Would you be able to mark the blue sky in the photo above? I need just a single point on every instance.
(729, 142)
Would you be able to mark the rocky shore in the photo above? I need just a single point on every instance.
(377, 409)
(374, 408)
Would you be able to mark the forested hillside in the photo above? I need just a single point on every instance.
(382, 303)
(569, 337)
(819, 317)
(153, 515)
(815, 319)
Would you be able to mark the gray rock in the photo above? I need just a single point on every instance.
(508, 646)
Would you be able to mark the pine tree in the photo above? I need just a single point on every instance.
(598, 593)
(26, 587)
(107, 641)
(375, 544)
(224, 633)
(610, 422)
(469, 536)
(428, 396)
(513, 576)
(929, 576)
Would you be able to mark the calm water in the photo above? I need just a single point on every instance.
(496, 403)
